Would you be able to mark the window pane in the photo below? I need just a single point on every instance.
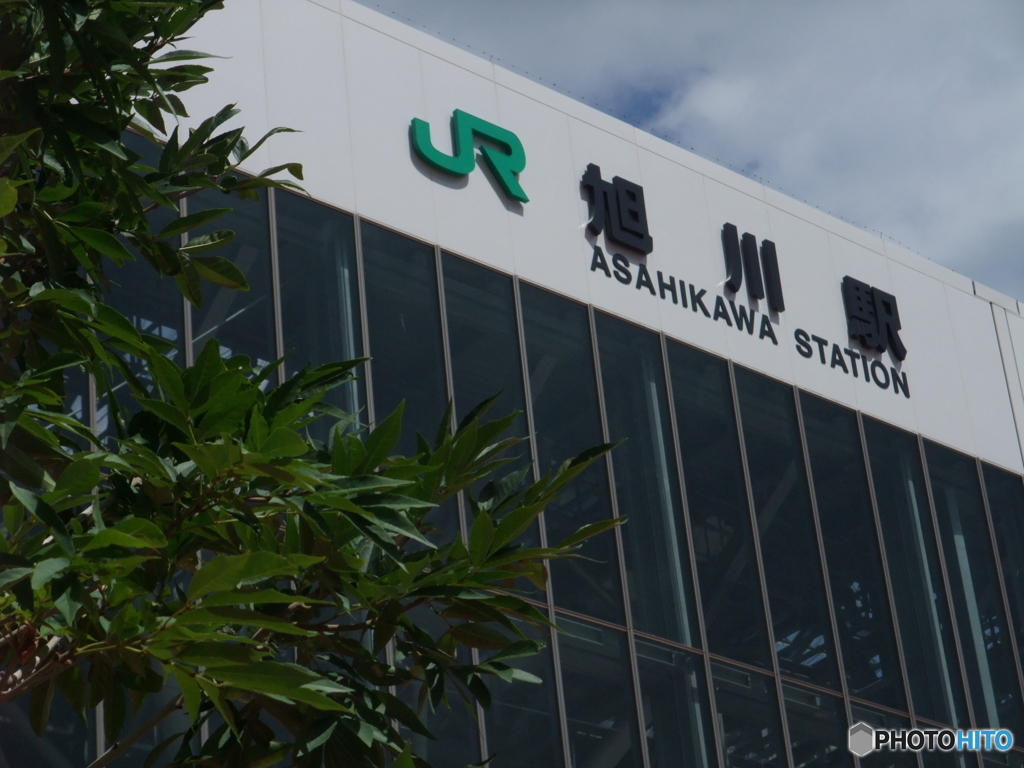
(723, 538)
(748, 718)
(68, 742)
(926, 631)
(599, 702)
(319, 293)
(567, 422)
(150, 301)
(863, 617)
(878, 719)
(789, 544)
(522, 723)
(456, 742)
(677, 717)
(967, 548)
(818, 731)
(404, 317)
(1006, 502)
(484, 340)
(646, 481)
(242, 321)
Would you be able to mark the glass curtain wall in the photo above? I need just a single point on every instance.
(804, 643)
(977, 599)
(860, 596)
(716, 491)
(647, 481)
(919, 592)
(744, 519)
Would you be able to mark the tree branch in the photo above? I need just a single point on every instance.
(122, 746)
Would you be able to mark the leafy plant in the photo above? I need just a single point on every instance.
(211, 547)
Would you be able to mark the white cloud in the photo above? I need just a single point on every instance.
(903, 116)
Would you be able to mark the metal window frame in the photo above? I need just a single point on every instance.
(641, 730)
(556, 656)
(823, 561)
(769, 626)
(1002, 582)
(694, 574)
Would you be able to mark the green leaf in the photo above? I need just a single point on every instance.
(10, 143)
(8, 197)
(479, 636)
(45, 513)
(80, 477)
(220, 271)
(39, 706)
(480, 538)
(191, 222)
(288, 680)
(383, 440)
(227, 573)
(45, 570)
(208, 242)
(190, 692)
(282, 443)
(12, 575)
(84, 212)
(104, 242)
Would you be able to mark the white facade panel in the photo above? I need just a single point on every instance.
(308, 95)
(385, 89)
(371, 78)
(981, 368)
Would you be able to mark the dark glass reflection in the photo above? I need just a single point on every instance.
(929, 648)
(176, 723)
(1006, 503)
(522, 722)
(68, 742)
(723, 538)
(817, 729)
(789, 543)
(599, 703)
(404, 318)
(567, 422)
(150, 301)
(677, 717)
(647, 481)
(878, 719)
(748, 718)
(316, 252)
(484, 340)
(970, 565)
(457, 741)
(241, 321)
(863, 616)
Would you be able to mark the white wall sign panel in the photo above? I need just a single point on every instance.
(951, 387)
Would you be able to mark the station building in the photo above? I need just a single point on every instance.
(822, 466)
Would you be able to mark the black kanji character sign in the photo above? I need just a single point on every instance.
(620, 205)
(872, 317)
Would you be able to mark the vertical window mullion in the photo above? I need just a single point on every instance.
(685, 508)
(946, 582)
(619, 548)
(556, 657)
(1002, 582)
(364, 324)
(844, 687)
(885, 568)
(275, 283)
(760, 563)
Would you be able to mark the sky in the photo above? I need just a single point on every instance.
(904, 117)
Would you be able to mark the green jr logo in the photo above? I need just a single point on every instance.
(506, 158)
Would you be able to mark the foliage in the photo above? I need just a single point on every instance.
(212, 544)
